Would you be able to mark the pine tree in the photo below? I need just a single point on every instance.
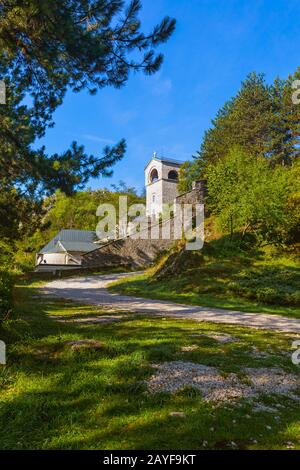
(244, 121)
(286, 122)
(48, 47)
(261, 119)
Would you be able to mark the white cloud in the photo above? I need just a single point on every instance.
(162, 87)
(96, 138)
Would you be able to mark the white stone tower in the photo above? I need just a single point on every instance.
(161, 178)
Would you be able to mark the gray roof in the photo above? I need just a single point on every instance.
(172, 161)
(78, 246)
(71, 240)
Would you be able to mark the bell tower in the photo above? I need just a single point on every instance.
(161, 178)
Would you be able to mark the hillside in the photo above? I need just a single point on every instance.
(226, 274)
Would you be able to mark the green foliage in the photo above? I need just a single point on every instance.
(244, 120)
(123, 188)
(53, 397)
(68, 212)
(271, 285)
(31, 171)
(19, 214)
(6, 296)
(7, 278)
(247, 194)
(185, 177)
(228, 279)
(6, 252)
(250, 158)
(176, 261)
(48, 47)
(261, 119)
(290, 229)
(20, 217)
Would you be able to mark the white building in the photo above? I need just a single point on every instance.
(161, 178)
(67, 249)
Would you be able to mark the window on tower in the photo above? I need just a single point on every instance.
(154, 175)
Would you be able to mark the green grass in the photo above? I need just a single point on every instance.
(229, 284)
(55, 398)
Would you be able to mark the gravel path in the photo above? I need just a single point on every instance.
(174, 376)
(92, 290)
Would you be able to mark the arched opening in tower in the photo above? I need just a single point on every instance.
(173, 175)
(154, 175)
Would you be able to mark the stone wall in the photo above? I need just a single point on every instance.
(143, 249)
(196, 196)
(126, 252)
(133, 252)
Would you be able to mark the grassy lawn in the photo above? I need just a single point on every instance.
(223, 284)
(53, 397)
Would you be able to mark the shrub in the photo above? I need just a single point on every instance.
(268, 285)
(247, 195)
(6, 298)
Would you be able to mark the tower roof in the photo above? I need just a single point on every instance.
(172, 161)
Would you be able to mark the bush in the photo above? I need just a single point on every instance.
(268, 285)
(247, 195)
(6, 298)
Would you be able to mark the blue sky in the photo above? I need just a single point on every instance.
(216, 44)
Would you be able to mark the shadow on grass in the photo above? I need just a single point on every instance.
(61, 399)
